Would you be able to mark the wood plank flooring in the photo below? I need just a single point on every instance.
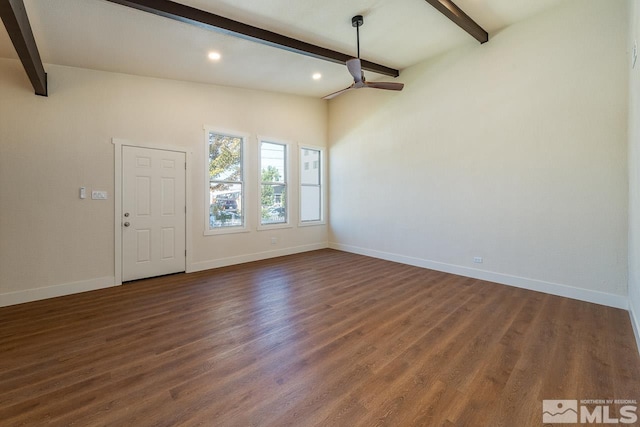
(324, 338)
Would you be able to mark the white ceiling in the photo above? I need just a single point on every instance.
(101, 35)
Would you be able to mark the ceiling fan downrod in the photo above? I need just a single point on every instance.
(357, 21)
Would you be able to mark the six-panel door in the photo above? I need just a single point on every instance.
(153, 212)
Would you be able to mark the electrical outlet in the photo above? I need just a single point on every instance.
(99, 195)
(274, 240)
(477, 259)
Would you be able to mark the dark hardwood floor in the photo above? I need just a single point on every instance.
(324, 338)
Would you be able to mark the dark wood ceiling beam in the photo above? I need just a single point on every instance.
(204, 19)
(15, 19)
(455, 14)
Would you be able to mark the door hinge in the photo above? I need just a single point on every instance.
(185, 166)
(185, 252)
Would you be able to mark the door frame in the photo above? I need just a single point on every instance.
(117, 199)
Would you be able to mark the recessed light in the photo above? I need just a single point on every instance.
(214, 56)
(317, 76)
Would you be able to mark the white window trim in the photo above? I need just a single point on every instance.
(323, 174)
(287, 180)
(207, 205)
(276, 226)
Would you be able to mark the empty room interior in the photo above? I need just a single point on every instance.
(279, 213)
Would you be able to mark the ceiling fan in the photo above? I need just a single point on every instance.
(355, 68)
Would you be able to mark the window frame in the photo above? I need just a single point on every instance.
(321, 171)
(208, 231)
(287, 180)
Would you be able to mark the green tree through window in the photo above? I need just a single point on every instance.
(225, 181)
(270, 174)
(273, 183)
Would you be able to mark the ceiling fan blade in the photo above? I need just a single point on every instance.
(354, 65)
(385, 85)
(355, 68)
(340, 92)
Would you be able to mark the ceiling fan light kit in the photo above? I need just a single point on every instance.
(354, 65)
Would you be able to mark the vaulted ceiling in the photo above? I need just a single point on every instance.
(101, 35)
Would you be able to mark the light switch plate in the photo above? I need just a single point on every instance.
(99, 195)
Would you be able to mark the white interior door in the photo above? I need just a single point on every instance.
(153, 212)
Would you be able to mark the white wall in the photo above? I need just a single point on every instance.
(634, 174)
(51, 242)
(515, 151)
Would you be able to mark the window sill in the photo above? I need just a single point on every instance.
(230, 230)
(267, 227)
(311, 223)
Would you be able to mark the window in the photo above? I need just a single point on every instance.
(310, 185)
(273, 183)
(225, 176)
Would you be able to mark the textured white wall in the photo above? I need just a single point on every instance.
(49, 147)
(515, 150)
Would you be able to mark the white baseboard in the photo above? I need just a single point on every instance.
(635, 323)
(602, 298)
(224, 262)
(28, 295)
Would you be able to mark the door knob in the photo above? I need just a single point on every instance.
(126, 214)
(126, 224)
